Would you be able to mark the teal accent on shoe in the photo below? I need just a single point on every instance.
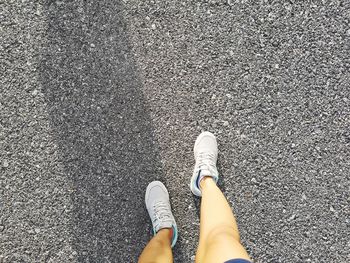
(175, 235)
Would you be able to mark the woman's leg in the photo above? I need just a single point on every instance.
(159, 248)
(219, 236)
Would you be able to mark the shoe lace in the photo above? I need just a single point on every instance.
(205, 159)
(162, 211)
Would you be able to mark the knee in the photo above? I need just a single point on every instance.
(222, 233)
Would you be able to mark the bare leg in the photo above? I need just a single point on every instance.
(219, 236)
(158, 250)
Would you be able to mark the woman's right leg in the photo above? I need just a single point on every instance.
(219, 236)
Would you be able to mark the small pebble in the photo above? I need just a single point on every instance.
(225, 123)
(5, 163)
(243, 136)
(153, 26)
(292, 217)
(303, 196)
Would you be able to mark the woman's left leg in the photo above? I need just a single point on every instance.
(159, 248)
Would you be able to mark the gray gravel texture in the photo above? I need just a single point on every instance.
(98, 98)
(35, 206)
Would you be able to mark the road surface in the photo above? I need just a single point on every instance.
(98, 98)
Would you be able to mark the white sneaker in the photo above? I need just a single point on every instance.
(159, 210)
(205, 154)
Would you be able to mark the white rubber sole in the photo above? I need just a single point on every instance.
(193, 187)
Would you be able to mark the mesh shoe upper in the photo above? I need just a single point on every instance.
(159, 209)
(205, 154)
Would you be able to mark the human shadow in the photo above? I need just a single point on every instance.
(102, 126)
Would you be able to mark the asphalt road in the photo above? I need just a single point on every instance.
(98, 98)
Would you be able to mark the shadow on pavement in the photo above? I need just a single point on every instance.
(102, 127)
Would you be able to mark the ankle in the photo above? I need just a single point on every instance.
(205, 181)
(166, 234)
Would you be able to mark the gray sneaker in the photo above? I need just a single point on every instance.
(206, 154)
(159, 210)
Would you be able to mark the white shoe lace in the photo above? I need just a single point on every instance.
(162, 212)
(206, 160)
